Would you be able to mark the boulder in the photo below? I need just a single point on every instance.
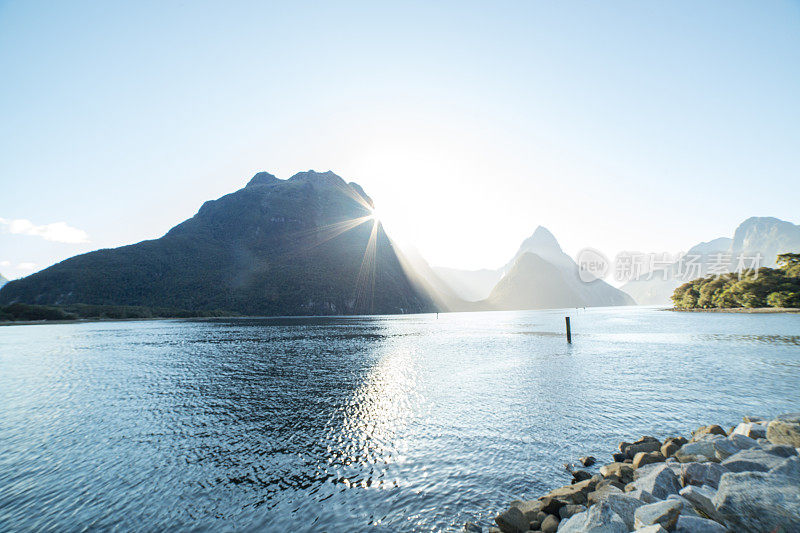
(742, 442)
(660, 482)
(782, 450)
(702, 431)
(724, 448)
(655, 528)
(748, 429)
(785, 429)
(697, 452)
(587, 460)
(789, 467)
(642, 495)
(570, 510)
(618, 457)
(701, 474)
(551, 505)
(529, 508)
(512, 521)
(645, 444)
(701, 499)
(687, 507)
(602, 493)
(623, 471)
(755, 419)
(645, 458)
(664, 513)
(550, 524)
(472, 527)
(693, 524)
(752, 460)
(669, 448)
(625, 506)
(600, 518)
(758, 502)
(580, 475)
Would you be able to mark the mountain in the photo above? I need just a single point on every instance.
(767, 236)
(542, 276)
(307, 245)
(469, 285)
(3, 280)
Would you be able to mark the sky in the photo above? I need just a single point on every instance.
(644, 126)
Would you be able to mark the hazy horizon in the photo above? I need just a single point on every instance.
(617, 126)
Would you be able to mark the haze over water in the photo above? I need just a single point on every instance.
(384, 423)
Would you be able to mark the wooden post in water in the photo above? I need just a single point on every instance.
(569, 331)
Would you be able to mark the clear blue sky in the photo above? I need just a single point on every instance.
(619, 125)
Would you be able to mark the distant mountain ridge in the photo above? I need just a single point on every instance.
(307, 245)
(767, 236)
(538, 276)
(3, 280)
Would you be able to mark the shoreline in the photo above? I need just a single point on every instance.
(743, 310)
(717, 481)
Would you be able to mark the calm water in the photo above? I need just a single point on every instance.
(350, 424)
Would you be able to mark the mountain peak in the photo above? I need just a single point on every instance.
(262, 178)
(314, 176)
(541, 239)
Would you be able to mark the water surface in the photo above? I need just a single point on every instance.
(405, 423)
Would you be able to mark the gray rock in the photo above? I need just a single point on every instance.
(570, 493)
(642, 495)
(697, 452)
(655, 528)
(471, 527)
(692, 524)
(602, 493)
(785, 429)
(625, 506)
(701, 499)
(512, 521)
(623, 471)
(570, 510)
(529, 508)
(703, 431)
(701, 474)
(754, 431)
(687, 507)
(647, 446)
(758, 502)
(724, 448)
(742, 442)
(660, 482)
(789, 467)
(752, 460)
(587, 460)
(665, 513)
(550, 524)
(600, 518)
(782, 450)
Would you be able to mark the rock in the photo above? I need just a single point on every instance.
(625, 506)
(758, 502)
(669, 449)
(655, 528)
(471, 527)
(702, 431)
(785, 429)
(644, 458)
(512, 521)
(724, 448)
(754, 419)
(688, 509)
(550, 524)
(641, 495)
(529, 508)
(742, 442)
(664, 513)
(580, 475)
(618, 457)
(789, 467)
(754, 431)
(701, 499)
(570, 510)
(701, 474)
(697, 452)
(551, 505)
(642, 446)
(782, 450)
(692, 524)
(600, 518)
(752, 460)
(588, 460)
(623, 471)
(611, 481)
(570, 493)
(660, 482)
(602, 493)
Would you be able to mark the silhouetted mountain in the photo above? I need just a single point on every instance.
(766, 236)
(306, 245)
(3, 280)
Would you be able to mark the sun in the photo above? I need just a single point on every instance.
(375, 215)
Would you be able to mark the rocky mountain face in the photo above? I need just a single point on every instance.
(3, 280)
(766, 236)
(302, 246)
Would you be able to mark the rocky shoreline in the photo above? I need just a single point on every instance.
(746, 479)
